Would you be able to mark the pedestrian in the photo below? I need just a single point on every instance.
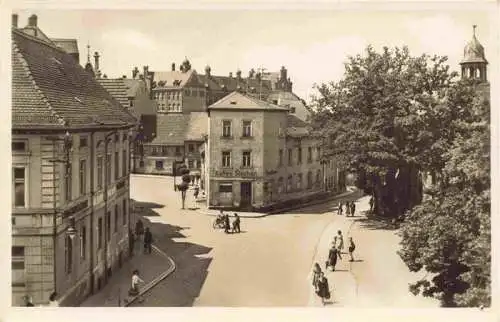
(226, 224)
(332, 258)
(28, 301)
(339, 210)
(323, 290)
(315, 275)
(148, 240)
(347, 208)
(352, 247)
(52, 299)
(371, 204)
(196, 192)
(340, 245)
(236, 224)
(135, 283)
(139, 229)
(353, 208)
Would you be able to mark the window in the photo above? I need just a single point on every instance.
(83, 242)
(99, 234)
(68, 182)
(108, 169)
(124, 212)
(309, 180)
(83, 142)
(190, 164)
(226, 129)
(83, 177)
(177, 150)
(280, 160)
(108, 226)
(159, 165)
(116, 218)
(309, 154)
(191, 148)
(198, 164)
(18, 146)
(289, 183)
(247, 128)
(226, 159)
(299, 181)
(318, 153)
(164, 150)
(18, 272)
(247, 159)
(68, 248)
(318, 178)
(299, 155)
(290, 156)
(19, 187)
(117, 137)
(124, 163)
(117, 166)
(226, 187)
(99, 172)
(280, 185)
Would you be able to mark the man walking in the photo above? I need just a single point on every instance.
(148, 240)
(227, 224)
(353, 208)
(236, 223)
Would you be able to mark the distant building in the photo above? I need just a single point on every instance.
(70, 183)
(259, 154)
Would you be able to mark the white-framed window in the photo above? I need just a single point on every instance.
(84, 141)
(226, 159)
(19, 146)
(247, 128)
(18, 271)
(19, 186)
(246, 159)
(280, 185)
(225, 187)
(299, 155)
(309, 154)
(159, 165)
(99, 172)
(226, 128)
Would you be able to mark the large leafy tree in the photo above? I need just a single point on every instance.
(383, 121)
(449, 234)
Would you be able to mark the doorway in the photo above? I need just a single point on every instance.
(246, 195)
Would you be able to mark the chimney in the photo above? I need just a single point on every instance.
(173, 67)
(32, 21)
(230, 74)
(96, 65)
(14, 20)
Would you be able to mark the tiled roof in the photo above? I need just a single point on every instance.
(171, 76)
(68, 45)
(231, 84)
(174, 129)
(237, 100)
(133, 86)
(197, 126)
(117, 88)
(49, 89)
(296, 127)
(290, 99)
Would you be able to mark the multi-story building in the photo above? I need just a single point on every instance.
(70, 181)
(259, 154)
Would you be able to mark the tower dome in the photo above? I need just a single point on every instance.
(474, 61)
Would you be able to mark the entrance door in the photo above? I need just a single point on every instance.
(246, 195)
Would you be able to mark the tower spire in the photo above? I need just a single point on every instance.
(88, 53)
(474, 30)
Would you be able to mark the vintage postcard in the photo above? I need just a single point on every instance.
(246, 156)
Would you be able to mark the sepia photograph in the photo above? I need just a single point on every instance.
(251, 158)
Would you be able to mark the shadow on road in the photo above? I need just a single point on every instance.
(375, 223)
(184, 285)
(328, 206)
(146, 208)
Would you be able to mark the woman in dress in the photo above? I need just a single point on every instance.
(323, 289)
(316, 273)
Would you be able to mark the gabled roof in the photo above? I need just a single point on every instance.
(181, 78)
(296, 127)
(68, 45)
(117, 88)
(51, 90)
(238, 101)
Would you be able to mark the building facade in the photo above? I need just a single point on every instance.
(259, 154)
(70, 161)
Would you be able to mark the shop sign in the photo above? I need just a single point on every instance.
(238, 173)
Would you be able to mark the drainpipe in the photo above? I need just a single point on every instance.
(92, 192)
(106, 237)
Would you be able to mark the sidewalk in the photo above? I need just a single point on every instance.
(152, 269)
(203, 209)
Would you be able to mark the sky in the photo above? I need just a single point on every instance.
(312, 44)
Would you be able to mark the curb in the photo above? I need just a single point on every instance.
(156, 280)
(277, 212)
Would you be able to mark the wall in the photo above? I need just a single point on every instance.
(192, 101)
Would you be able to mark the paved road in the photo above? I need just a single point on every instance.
(266, 265)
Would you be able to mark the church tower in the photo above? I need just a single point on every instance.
(474, 62)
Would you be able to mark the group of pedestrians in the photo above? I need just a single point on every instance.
(234, 227)
(335, 252)
(350, 208)
(143, 235)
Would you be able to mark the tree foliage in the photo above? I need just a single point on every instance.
(393, 118)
